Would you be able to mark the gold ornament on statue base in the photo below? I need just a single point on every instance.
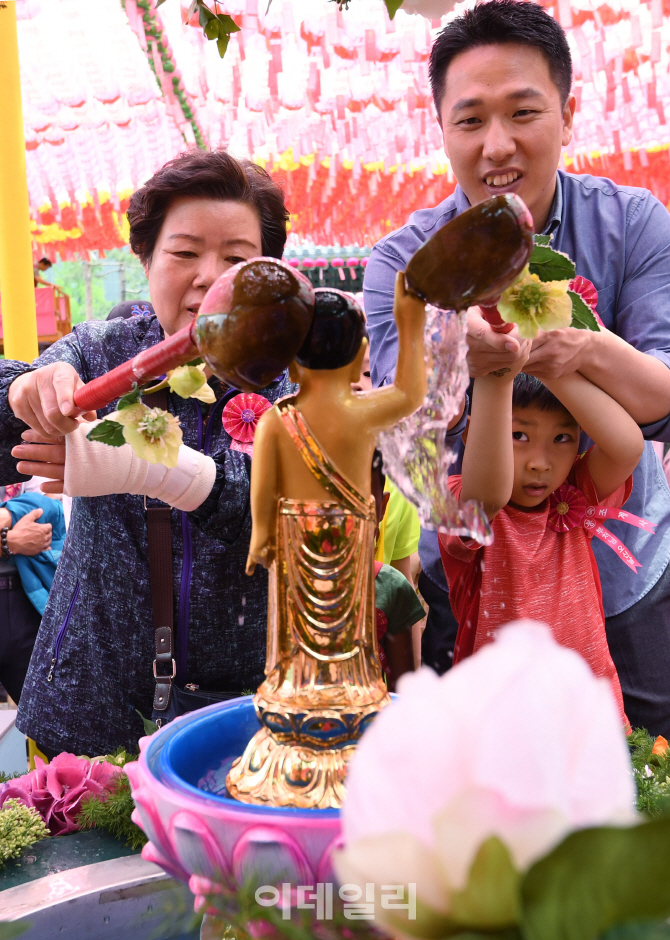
(313, 526)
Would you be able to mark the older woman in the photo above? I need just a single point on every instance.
(91, 670)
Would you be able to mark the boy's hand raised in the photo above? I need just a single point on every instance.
(510, 372)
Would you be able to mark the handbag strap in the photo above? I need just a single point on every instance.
(159, 532)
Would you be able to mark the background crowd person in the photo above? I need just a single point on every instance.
(42, 265)
(32, 530)
(131, 308)
(91, 670)
(501, 76)
(396, 539)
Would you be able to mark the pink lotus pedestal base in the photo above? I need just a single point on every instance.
(200, 835)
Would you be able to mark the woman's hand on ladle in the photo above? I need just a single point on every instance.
(44, 399)
(42, 456)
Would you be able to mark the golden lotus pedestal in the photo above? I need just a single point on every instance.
(280, 768)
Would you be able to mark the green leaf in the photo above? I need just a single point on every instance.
(392, 6)
(195, 362)
(596, 879)
(227, 24)
(212, 29)
(132, 398)
(222, 44)
(10, 931)
(582, 315)
(204, 15)
(159, 2)
(108, 432)
(491, 898)
(550, 265)
(542, 239)
(150, 727)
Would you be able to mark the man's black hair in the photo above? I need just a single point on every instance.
(336, 333)
(46, 261)
(499, 22)
(529, 392)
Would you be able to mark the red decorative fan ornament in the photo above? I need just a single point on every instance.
(567, 507)
(240, 417)
(586, 290)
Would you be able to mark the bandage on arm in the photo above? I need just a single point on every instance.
(96, 469)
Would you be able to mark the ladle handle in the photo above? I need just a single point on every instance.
(494, 320)
(151, 363)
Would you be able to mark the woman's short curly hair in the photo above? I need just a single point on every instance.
(207, 175)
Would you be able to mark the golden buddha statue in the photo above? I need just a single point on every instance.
(313, 524)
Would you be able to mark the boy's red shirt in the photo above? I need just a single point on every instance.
(533, 571)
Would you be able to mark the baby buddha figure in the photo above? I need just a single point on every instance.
(313, 525)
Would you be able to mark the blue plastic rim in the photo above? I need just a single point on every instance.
(182, 754)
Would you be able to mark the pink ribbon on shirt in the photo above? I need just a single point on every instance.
(600, 532)
(566, 510)
(603, 512)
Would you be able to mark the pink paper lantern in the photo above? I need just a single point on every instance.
(294, 262)
(364, 262)
(352, 263)
(307, 264)
(339, 264)
(321, 263)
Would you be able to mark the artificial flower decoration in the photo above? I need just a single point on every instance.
(240, 418)
(154, 434)
(536, 305)
(454, 790)
(190, 382)
(57, 789)
(586, 290)
(567, 506)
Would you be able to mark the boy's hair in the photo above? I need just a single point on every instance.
(336, 332)
(207, 175)
(497, 23)
(529, 392)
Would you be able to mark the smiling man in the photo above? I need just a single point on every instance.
(501, 76)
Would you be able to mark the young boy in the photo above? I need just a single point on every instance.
(521, 446)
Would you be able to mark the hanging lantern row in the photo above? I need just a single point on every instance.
(314, 262)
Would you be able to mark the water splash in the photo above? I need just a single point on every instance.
(416, 455)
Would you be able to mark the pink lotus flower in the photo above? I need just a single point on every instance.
(409, 820)
(240, 418)
(57, 789)
(567, 506)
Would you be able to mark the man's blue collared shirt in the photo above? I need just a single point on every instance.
(619, 238)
